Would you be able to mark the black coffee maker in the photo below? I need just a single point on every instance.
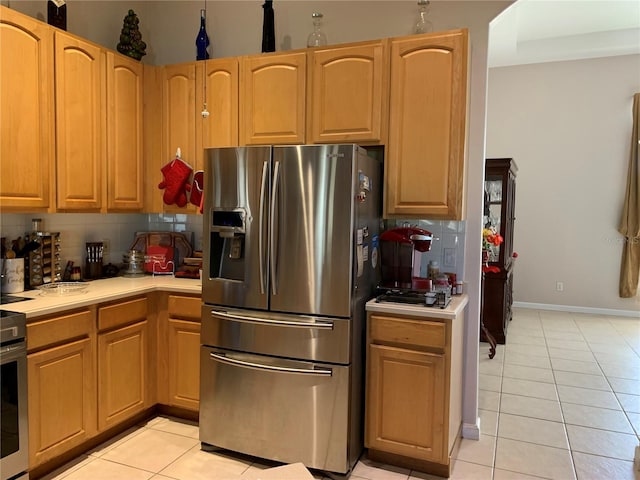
(397, 249)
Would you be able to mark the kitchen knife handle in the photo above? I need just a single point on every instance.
(272, 237)
(263, 187)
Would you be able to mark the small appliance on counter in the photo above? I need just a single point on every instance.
(401, 250)
(163, 252)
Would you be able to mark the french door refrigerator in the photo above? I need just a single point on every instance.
(291, 256)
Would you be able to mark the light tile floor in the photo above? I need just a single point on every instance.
(560, 401)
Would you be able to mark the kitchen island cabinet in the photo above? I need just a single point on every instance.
(273, 98)
(413, 410)
(61, 384)
(424, 165)
(348, 93)
(27, 156)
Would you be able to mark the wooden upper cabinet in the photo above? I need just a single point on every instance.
(272, 93)
(348, 93)
(80, 102)
(179, 112)
(220, 93)
(424, 166)
(124, 132)
(27, 113)
(179, 115)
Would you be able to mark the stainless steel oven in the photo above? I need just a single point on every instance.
(13, 378)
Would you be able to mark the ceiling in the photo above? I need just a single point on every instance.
(536, 31)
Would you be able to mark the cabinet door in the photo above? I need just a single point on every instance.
(179, 120)
(405, 403)
(62, 400)
(217, 85)
(349, 93)
(26, 118)
(184, 363)
(273, 89)
(425, 163)
(79, 123)
(122, 374)
(124, 132)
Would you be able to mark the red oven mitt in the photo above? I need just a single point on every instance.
(175, 181)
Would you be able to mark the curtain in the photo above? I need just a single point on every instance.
(630, 223)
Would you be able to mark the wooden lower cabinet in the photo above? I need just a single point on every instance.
(61, 384)
(182, 366)
(122, 373)
(406, 402)
(122, 362)
(413, 411)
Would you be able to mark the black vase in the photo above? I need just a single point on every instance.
(268, 28)
(57, 14)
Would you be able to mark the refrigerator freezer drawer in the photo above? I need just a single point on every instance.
(315, 339)
(282, 410)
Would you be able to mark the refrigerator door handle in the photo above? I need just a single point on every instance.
(263, 187)
(259, 366)
(265, 321)
(272, 238)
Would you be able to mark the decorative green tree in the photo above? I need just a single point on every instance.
(131, 43)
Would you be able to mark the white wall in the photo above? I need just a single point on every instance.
(568, 127)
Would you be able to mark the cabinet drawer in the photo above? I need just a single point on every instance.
(122, 313)
(185, 307)
(58, 329)
(402, 331)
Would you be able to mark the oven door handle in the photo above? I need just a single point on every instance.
(260, 366)
(266, 321)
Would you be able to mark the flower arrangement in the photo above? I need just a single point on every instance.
(490, 240)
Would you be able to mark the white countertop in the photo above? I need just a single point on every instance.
(458, 302)
(99, 291)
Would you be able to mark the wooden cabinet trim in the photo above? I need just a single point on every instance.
(188, 308)
(55, 330)
(122, 313)
(403, 331)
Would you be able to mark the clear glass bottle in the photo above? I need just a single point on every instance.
(423, 25)
(316, 38)
(202, 40)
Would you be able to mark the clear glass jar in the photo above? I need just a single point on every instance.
(316, 38)
(423, 25)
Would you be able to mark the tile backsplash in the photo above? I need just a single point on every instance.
(119, 230)
(447, 246)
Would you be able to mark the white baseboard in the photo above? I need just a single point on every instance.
(573, 308)
(471, 431)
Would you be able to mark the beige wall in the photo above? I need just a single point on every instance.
(568, 126)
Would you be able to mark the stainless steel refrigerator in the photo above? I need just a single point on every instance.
(291, 255)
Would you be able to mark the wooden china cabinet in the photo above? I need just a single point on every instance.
(499, 213)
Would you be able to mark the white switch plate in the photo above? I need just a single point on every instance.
(450, 257)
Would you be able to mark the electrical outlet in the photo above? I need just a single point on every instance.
(450, 257)
(105, 251)
(559, 286)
